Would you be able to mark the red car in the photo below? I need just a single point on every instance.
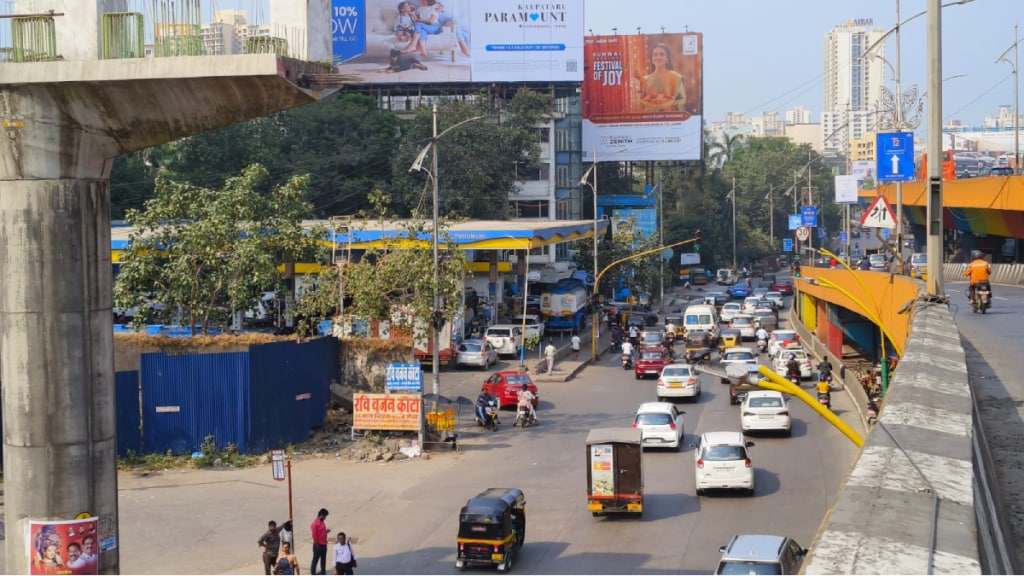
(505, 386)
(783, 286)
(649, 362)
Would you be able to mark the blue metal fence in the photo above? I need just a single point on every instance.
(129, 422)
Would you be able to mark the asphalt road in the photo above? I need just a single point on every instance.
(405, 514)
(992, 344)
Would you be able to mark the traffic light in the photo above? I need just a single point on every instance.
(697, 237)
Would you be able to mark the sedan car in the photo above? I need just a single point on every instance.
(534, 325)
(745, 324)
(776, 298)
(806, 369)
(765, 410)
(722, 461)
(750, 303)
(730, 310)
(660, 424)
(477, 353)
(780, 339)
(783, 286)
(679, 381)
(505, 386)
(649, 362)
(737, 291)
(738, 355)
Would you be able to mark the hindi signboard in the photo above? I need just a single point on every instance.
(386, 412)
(403, 377)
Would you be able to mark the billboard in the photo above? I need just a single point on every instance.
(864, 170)
(643, 97)
(452, 41)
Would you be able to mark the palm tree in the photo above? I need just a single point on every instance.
(722, 150)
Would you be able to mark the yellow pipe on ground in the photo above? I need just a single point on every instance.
(776, 382)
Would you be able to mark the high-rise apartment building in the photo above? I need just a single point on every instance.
(228, 32)
(852, 83)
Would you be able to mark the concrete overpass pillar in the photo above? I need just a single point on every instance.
(61, 124)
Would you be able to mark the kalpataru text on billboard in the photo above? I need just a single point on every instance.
(386, 412)
(643, 97)
(454, 41)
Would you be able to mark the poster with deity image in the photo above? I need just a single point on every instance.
(63, 547)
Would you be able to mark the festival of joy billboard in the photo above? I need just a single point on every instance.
(643, 97)
(451, 41)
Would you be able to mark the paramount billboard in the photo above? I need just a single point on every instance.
(452, 41)
(643, 97)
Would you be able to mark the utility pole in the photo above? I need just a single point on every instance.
(734, 223)
(435, 354)
(810, 202)
(934, 210)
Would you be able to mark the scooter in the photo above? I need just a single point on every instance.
(627, 361)
(762, 346)
(614, 345)
(491, 414)
(825, 399)
(982, 297)
(794, 377)
(524, 417)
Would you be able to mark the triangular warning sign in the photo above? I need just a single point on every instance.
(879, 215)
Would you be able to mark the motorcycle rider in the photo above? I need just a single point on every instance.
(824, 369)
(670, 331)
(825, 389)
(761, 336)
(526, 399)
(627, 350)
(979, 270)
(792, 367)
(482, 401)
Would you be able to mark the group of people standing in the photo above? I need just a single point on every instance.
(278, 545)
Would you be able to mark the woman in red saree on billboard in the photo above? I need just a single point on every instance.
(663, 90)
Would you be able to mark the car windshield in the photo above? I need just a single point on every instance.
(733, 567)
(676, 372)
(724, 453)
(656, 419)
(730, 306)
(738, 356)
(651, 356)
(518, 380)
(769, 402)
(918, 259)
(783, 336)
(876, 258)
(773, 295)
(652, 337)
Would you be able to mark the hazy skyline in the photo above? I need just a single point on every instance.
(767, 55)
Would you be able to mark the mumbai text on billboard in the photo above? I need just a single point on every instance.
(450, 41)
(643, 97)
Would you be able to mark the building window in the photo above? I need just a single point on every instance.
(562, 176)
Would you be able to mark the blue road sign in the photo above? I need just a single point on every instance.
(895, 156)
(822, 233)
(843, 237)
(794, 221)
(809, 216)
(403, 378)
(787, 244)
(885, 233)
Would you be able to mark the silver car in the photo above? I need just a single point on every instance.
(477, 353)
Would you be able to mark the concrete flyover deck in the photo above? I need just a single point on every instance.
(992, 206)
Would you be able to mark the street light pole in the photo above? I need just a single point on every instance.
(595, 318)
(1016, 98)
(435, 368)
(733, 194)
(934, 210)
(661, 240)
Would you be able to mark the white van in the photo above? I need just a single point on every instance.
(702, 317)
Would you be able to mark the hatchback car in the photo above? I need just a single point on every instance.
(506, 338)
(766, 304)
(534, 325)
(478, 353)
(878, 263)
(652, 339)
(802, 358)
(780, 339)
(776, 298)
(679, 381)
(783, 286)
(760, 554)
(765, 410)
(730, 310)
(1001, 171)
(745, 324)
(918, 265)
(750, 303)
(649, 362)
(722, 461)
(506, 385)
(660, 424)
(737, 291)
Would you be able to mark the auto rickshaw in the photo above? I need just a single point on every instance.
(698, 346)
(492, 528)
(730, 338)
(677, 320)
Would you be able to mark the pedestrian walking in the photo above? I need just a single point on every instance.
(319, 530)
(549, 355)
(344, 558)
(271, 544)
(287, 562)
(574, 343)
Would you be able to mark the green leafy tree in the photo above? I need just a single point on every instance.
(205, 253)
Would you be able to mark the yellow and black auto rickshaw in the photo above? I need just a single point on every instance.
(492, 528)
(677, 321)
(730, 338)
(698, 346)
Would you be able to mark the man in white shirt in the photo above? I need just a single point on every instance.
(549, 355)
(575, 343)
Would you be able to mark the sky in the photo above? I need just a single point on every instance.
(767, 55)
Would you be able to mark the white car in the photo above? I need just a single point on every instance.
(750, 304)
(780, 339)
(506, 338)
(679, 381)
(737, 355)
(660, 424)
(777, 298)
(534, 325)
(765, 410)
(730, 310)
(780, 362)
(745, 324)
(722, 461)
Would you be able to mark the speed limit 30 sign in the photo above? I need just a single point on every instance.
(803, 233)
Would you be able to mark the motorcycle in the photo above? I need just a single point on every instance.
(491, 415)
(825, 399)
(627, 361)
(615, 345)
(982, 299)
(872, 410)
(524, 417)
(762, 346)
(794, 377)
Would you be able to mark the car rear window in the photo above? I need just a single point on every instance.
(676, 372)
(741, 321)
(764, 402)
(653, 419)
(739, 356)
(470, 347)
(518, 380)
(651, 356)
(499, 332)
(783, 335)
(724, 453)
